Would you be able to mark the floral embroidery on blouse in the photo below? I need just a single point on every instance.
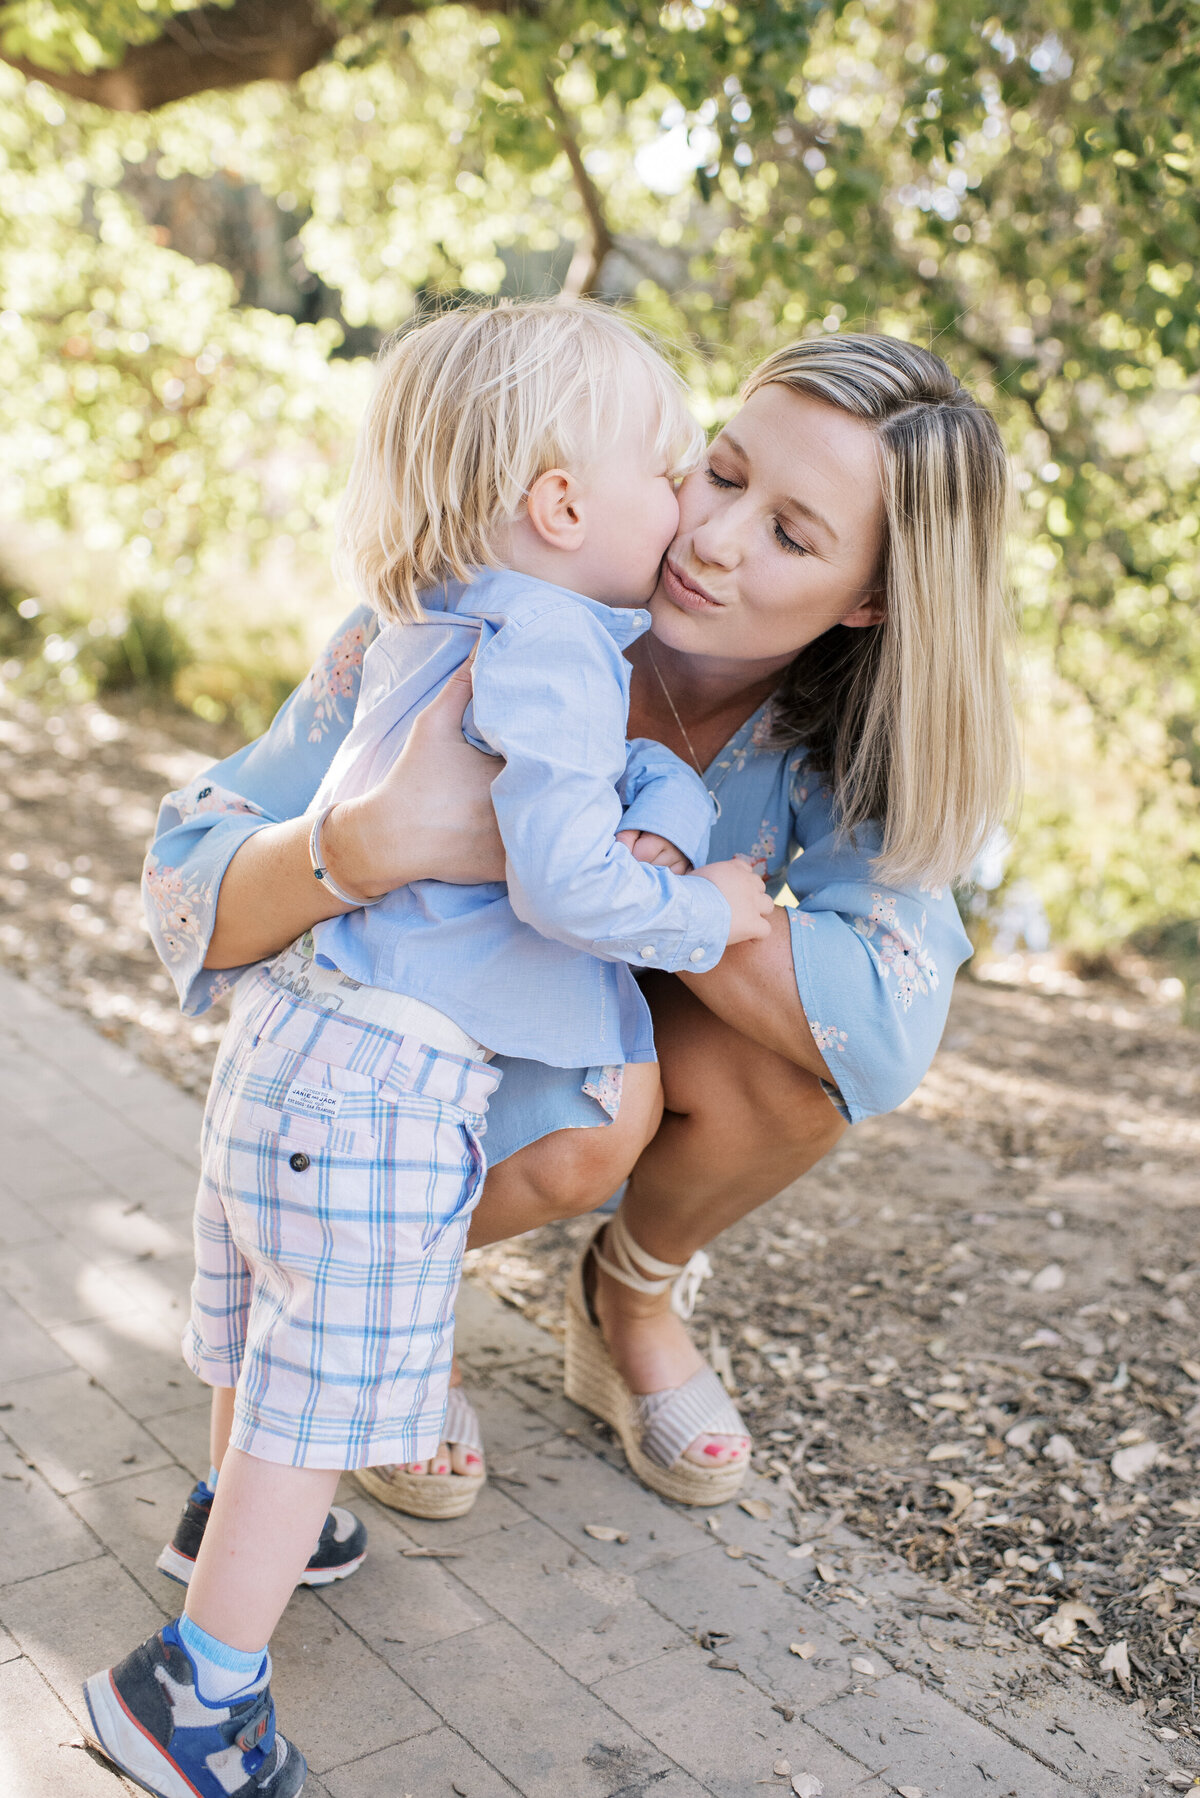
(898, 953)
(183, 909)
(335, 678)
(763, 848)
(805, 918)
(604, 1085)
(828, 1036)
(767, 727)
(203, 796)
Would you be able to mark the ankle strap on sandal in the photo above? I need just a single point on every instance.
(684, 1279)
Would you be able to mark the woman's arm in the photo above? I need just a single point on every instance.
(371, 844)
(227, 879)
(854, 982)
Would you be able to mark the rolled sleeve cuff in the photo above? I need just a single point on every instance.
(693, 948)
(680, 812)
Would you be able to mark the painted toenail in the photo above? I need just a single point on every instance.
(472, 1460)
(710, 1448)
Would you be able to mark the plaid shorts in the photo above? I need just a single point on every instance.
(340, 1164)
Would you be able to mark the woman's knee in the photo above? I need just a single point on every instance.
(794, 1107)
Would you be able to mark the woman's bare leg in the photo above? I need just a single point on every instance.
(740, 1124)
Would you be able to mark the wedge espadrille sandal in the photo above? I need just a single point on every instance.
(657, 1427)
(433, 1494)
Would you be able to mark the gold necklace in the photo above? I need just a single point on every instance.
(683, 730)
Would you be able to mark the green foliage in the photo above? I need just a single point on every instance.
(1018, 188)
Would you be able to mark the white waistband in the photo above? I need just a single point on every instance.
(298, 971)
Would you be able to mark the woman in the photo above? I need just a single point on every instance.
(828, 652)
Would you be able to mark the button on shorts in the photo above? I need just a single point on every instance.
(340, 1164)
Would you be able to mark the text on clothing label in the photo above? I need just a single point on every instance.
(313, 1101)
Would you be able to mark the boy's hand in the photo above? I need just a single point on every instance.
(748, 898)
(644, 846)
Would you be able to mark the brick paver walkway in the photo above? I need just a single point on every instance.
(532, 1658)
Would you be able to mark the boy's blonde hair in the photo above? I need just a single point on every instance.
(913, 718)
(468, 410)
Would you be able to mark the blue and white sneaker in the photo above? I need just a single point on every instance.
(150, 1720)
(339, 1552)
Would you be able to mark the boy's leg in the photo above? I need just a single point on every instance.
(220, 1423)
(264, 1526)
(190, 1710)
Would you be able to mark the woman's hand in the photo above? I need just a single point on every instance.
(749, 901)
(430, 817)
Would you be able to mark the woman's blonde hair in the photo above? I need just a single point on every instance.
(467, 411)
(912, 719)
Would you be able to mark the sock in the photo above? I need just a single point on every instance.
(214, 1474)
(221, 1672)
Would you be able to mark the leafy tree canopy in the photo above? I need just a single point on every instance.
(1019, 189)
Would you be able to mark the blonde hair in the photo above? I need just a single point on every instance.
(912, 719)
(467, 411)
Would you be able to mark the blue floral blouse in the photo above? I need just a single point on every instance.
(874, 964)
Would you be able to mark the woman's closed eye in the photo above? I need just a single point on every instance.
(781, 537)
(789, 543)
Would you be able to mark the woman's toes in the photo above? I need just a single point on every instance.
(464, 1460)
(718, 1451)
(441, 1461)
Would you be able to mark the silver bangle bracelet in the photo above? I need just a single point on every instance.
(321, 872)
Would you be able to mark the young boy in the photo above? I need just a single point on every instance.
(511, 498)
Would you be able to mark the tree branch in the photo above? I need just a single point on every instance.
(583, 276)
(220, 47)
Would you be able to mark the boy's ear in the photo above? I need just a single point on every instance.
(555, 511)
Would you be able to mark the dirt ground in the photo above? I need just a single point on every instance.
(971, 1332)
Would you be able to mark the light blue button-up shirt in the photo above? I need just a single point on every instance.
(535, 966)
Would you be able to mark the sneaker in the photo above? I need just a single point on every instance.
(150, 1720)
(339, 1552)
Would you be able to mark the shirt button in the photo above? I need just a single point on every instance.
(696, 955)
(647, 951)
(298, 1162)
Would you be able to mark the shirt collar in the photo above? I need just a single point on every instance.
(624, 624)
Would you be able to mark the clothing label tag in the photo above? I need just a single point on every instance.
(313, 1102)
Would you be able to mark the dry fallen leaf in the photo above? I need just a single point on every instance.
(755, 1507)
(807, 1785)
(735, 1553)
(946, 1451)
(604, 1532)
(861, 1664)
(1191, 1369)
(1116, 1660)
(1130, 1463)
(1060, 1450)
(805, 1650)
(910, 1792)
(961, 1494)
(1059, 1630)
(1050, 1279)
(826, 1573)
(783, 1768)
(802, 1551)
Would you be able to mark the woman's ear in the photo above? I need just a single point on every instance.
(872, 610)
(554, 508)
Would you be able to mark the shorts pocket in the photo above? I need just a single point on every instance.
(311, 1134)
